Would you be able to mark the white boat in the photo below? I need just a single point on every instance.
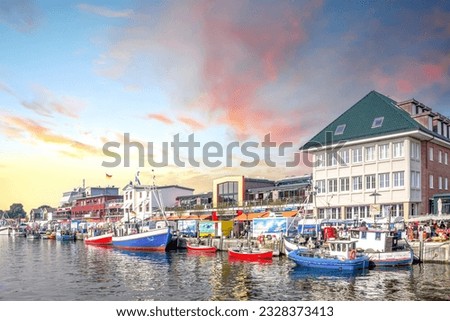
(5, 226)
(295, 243)
(5, 230)
(381, 246)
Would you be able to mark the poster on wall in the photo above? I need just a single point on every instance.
(273, 225)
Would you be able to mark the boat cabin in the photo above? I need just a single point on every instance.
(342, 248)
(378, 240)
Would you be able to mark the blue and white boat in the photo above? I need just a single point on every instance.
(338, 255)
(152, 240)
(153, 236)
(382, 247)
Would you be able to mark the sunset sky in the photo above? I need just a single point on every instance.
(75, 75)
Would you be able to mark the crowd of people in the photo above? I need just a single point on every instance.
(428, 231)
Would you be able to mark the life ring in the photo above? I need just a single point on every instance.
(352, 255)
(261, 238)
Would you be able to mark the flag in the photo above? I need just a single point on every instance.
(136, 178)
(108, 175)
(214, 216)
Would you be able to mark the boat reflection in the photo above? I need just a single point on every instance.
(156, 257)
(299, 273)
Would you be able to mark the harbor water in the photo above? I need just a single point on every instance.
(49, 270)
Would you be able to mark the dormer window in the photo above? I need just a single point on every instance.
(339, 130)
(377, 122)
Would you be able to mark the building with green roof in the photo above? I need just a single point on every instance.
(380, 158)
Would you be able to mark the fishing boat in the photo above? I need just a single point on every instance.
(103, 239)
(337, 255)
(140, 236)
(382, 247)
(193, 247)
(62, 235)
(151, 240)
(250, 254)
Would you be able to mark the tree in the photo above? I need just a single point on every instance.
(16, 211)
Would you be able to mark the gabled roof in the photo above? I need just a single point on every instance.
(359, 118)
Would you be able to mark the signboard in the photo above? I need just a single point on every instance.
(375, 210)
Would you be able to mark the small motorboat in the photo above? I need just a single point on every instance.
(192, 247)
(340, 255)
(103, 239)
(250, 254)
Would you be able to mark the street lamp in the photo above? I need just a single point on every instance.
(374, 195)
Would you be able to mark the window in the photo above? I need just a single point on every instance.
(356, 212)
(320, 162)
(370, 182)
(446, 159)
(321, 213)
(415, 151)
(320, 186)
(345, 157)
(431, 181)
(399, 179)
(357, 183)
(363, 235)
(377, 122)
(383, 151)
(397, 149)
(357, 155)
(446, 183)
(340, 129)
(440, 182)
(415, 179)
(383, 180)
(370, 153)
(345, 184)
(228, 192)
(334, 213)
(332, 159)
(430, 153)
(377, 236)
(332, 185)
(440, 156)
(349, 213)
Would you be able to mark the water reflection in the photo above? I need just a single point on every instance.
(52, 270)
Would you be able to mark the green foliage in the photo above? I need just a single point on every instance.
(16, 211)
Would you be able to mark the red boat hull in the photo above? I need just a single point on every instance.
(201, 248)
(250, 256)
(105, 239)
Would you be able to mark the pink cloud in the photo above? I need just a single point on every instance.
(15, 127)
(219, 59)
(161, 118)
(244, 56)
(192, 123)
(411, 76)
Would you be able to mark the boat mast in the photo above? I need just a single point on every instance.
(157, 194)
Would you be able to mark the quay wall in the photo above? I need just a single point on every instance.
(222, 244)
(436, 252)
